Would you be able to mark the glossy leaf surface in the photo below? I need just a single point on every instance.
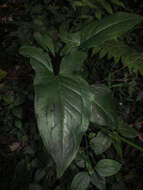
(104, 109)
(80, 181)
(107, 167)
(63, 107)
(108, 28)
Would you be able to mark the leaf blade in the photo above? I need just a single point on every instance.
(108, 28)
(63, 111)
(100, 143)
(107, 167)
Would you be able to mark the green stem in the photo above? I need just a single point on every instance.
(131, 143)
(123, 139)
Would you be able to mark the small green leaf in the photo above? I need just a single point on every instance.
(127, 131)
(81, 181)
(107, 167)
(100, 143)
(107, 7)
(98, 181)
(98, 13)
(45, 42)
(91, 135)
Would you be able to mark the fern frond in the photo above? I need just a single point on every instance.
(118, 50)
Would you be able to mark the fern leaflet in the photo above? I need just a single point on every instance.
(118, 50)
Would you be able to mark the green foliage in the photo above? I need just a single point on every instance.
(98, 5)
(38, 55)
(107, 167)
(127, 131)
(64, 101)
(45, 42)
(104, 109)
(64, 38)
(118, 50)
(96, 33)
(80, 181)
(71, 64)
(98, 181)
(109, 28)
(63, 111)
(100, 143)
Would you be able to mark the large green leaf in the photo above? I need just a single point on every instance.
(104, 109)
(37, 54)
(81, 181)
(63, 107)
(100, 143)
(107, 167)
(108, 28)
(72, 63)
